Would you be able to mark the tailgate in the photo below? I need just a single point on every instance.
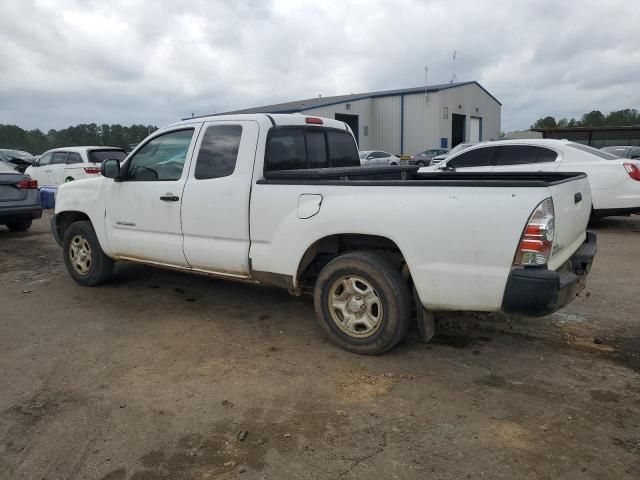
(9, 192)
(572, 207)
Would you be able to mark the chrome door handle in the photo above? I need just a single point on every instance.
(169, 197)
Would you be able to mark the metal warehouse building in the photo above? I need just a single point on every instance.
(407, 121)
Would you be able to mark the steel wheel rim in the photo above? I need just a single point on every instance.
(355, 306)
(80, 254)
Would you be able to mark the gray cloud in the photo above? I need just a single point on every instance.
(66, 62)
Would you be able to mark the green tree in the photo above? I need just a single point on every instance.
(546, 122)
(594, 118)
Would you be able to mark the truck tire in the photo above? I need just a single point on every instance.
(362, 303)
(19, 225)
(85, 261)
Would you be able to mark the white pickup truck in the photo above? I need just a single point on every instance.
(282, 200)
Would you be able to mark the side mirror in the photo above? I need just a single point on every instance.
(447, 168)
(110, 168)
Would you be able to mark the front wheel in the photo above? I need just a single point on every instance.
(362, 303)
(85, 261)
(421, 164)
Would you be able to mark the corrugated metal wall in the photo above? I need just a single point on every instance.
(385, 124)
(420, 120)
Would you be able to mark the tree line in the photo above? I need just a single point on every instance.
(37, 142)
(595, 118)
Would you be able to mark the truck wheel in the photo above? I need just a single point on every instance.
(83, 257)
(362, 303)
(19, 225)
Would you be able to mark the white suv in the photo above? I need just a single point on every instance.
(60, 165)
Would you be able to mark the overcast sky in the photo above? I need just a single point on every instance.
(65, 62)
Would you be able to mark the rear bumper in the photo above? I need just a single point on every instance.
(27, 212)
(536, 292)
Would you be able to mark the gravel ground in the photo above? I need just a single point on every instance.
(163, 375)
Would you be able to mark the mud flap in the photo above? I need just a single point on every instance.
(425, 318)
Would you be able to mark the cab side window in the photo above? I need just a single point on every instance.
(59, 157)
(162, 158)
(218, 152)
(523, 154)
(479, 157)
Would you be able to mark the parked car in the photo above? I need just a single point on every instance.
(283, 200)
(21, 160)
(458, 148)
(615, 182)
(623, 151)
(423, 159)
(19, 199)
(377, 157)
(61, 165)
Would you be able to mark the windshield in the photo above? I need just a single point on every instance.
(593, 151)
(621, 152)
(98, 156)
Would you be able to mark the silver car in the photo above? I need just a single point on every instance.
(370, 158)
(19, 199)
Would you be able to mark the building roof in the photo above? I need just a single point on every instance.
(301, 105)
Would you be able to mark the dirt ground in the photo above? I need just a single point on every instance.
(163, 375)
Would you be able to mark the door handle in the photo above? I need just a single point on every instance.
(170, 197)
(577, 198)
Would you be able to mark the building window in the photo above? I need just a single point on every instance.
(445, 113)
(365, 130)
(348, 106)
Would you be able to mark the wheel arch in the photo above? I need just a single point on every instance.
(65, 219)
(323, 250)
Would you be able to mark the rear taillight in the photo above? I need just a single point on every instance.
(27, 184)
(92, 170)
(633, 171)
(537, 240)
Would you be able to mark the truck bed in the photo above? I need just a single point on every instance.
(408, 175)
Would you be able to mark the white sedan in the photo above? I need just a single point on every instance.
(60, 165)
(369, 158)
(615, 182)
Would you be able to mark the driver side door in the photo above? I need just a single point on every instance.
(143, 204)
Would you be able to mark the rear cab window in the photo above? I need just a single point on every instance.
(295, 148)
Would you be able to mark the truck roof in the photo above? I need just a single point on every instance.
(276, 119)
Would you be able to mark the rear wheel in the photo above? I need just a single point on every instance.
(19, 225)
(362, 303)
(83, 256)
(421, 164)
